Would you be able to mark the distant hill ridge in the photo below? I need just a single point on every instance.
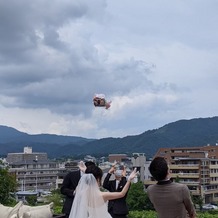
(186, 133)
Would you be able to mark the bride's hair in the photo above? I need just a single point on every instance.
(96, 171)
(89, 163)
(88, 201)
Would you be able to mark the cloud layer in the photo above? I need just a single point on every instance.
(156, 62)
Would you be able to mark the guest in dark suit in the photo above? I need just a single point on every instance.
(117, 208)
(68, 187)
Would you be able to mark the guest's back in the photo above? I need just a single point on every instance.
(171, 200)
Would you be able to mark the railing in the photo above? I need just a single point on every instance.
(189, 182)
(185, 166)
(188, 174)
(185, 175)
(195, 192)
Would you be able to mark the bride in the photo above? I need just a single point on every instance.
(89, 201)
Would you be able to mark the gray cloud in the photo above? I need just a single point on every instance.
(150, 59)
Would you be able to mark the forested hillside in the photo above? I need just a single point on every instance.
(194, 132)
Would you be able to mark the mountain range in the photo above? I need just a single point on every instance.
(182, 133)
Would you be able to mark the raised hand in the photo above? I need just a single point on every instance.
(82, 166)
(112, 169)
(133, 174)
(124, 171)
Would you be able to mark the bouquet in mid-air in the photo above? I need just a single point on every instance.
(100, 101)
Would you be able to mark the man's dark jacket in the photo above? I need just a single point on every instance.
(69, 185)
(117, 206)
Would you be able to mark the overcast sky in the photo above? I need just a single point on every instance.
(157, 61)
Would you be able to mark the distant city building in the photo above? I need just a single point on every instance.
(26, 155)
(188, 152)
(199, 174)
(197, 167)
(90, 158)
(139, 161)
(147, 174)
(71, 165)
(117, 158)
(33, 170)
(31, 175)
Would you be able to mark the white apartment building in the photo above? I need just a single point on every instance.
(26, 155)
(36, 176)
(33, 170)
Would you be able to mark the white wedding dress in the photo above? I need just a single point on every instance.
(88, 201)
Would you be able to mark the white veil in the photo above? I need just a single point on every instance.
(88, 201)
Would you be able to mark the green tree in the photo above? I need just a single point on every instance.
(31, 200)
(56, 197)
(198, 200)
(142, 214)
(7, 185)
(137, 199)
(148, 204)
(177, 179)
